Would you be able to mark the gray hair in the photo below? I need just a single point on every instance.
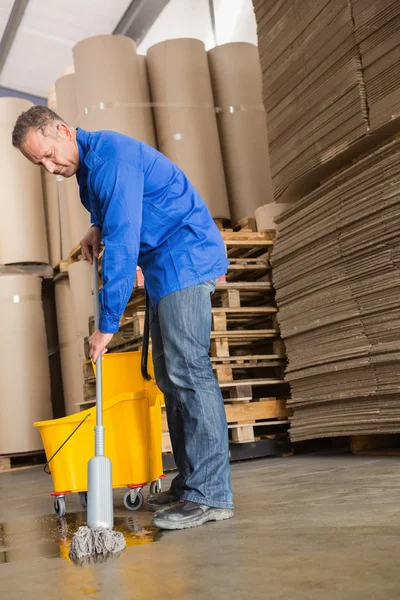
(37, 117)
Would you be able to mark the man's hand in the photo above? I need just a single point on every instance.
(91, 244)
(97, 343)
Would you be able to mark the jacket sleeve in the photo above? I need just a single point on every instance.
(118, 187)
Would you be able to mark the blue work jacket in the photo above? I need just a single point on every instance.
(150, 215)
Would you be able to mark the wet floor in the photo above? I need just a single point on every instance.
(50, 536)
(307, 528)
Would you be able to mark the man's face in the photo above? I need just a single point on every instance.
(56, 152)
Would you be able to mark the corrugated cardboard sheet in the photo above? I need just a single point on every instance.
(331, 76)
(336, 269)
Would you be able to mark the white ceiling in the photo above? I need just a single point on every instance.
(49, 29)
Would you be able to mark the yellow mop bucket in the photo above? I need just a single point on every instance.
(133, 441)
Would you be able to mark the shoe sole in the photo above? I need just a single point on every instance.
(218, 515)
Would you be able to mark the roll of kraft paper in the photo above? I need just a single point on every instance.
(80, 280)
(71, 352)
(78, 216)
(24, 367)
(237, 85)
(52, 217)
(51, 208)
(110, 87)
(185, 117)
(22, 220)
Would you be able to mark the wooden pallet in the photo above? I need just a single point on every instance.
(75, 255)
(61, 270)
(22, 460)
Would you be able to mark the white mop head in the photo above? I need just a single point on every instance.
(87, 542)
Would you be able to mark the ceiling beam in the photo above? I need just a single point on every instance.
(212, 18)
(139, 17)
(14, 20)
(8, 92)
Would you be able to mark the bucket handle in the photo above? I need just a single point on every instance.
(47, 471)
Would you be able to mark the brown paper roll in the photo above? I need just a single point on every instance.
(109, 79)
(66, 243)
(70, 351)
(78, 216)
(50, 193)
(24, 367)
(266, 214)
(80, 280)
(67, 106)
(52, 217)
(237, 85)
(186, 125)
(51, 97)
(68, 70)
(22, 221)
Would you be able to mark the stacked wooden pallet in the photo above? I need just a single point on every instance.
(246, 351)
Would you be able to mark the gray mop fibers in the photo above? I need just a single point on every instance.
(95, 541)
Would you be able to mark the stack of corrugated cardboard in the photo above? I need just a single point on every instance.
(377, 29)
(337, 276)
(331, 78)
(313, 88)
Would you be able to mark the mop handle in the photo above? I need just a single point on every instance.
(99, 378)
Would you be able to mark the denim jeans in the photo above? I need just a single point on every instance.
(180, 332)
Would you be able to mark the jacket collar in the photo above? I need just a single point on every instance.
(86, 155)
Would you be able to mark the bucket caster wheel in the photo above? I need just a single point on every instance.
(60, 506)
(133, 504)
(155, 487)
(83, 499)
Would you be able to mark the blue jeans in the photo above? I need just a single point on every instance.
(180, 333)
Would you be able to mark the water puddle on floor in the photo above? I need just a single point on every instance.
(50, 537)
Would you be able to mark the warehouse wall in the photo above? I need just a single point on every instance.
(234, 19)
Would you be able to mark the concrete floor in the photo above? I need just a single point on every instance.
(308, 527)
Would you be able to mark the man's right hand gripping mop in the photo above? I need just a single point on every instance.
(98, 537)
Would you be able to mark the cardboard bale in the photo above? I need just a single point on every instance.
(337, 279)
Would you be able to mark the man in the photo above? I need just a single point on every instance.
(147, 212)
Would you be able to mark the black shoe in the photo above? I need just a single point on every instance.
(156, 502)
(189, 514)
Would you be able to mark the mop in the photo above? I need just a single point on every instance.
(98, 538)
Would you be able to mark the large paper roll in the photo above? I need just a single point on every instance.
(80, 279)
(185, 117)
(66, 244)
(110, 89)
(52, 213)
(237, 85)
(24, 367)
(50, 192)
(71, 353)
(22, 221)
(51, 97)
(265, 215)
(78, 216)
